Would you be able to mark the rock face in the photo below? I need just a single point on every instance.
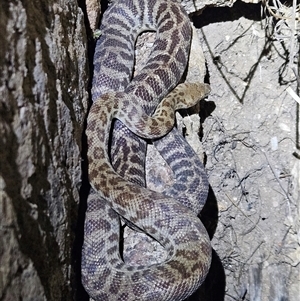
(43, 102)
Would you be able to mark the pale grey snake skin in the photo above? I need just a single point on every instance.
(116, 167)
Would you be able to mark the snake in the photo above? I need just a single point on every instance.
(126, 112)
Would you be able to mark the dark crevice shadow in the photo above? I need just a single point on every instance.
(91, 40)
(213, 288)
(240, 9)
(79, 292)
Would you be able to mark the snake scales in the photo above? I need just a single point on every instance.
(116, 164)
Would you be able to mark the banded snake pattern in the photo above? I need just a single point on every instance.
(122, 106)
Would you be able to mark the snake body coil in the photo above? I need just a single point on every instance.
(116, 171)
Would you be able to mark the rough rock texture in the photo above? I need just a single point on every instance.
(43, 102)
(251, 140)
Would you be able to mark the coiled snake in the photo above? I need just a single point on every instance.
(116, 165)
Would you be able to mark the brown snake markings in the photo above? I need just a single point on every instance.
(116, 170)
